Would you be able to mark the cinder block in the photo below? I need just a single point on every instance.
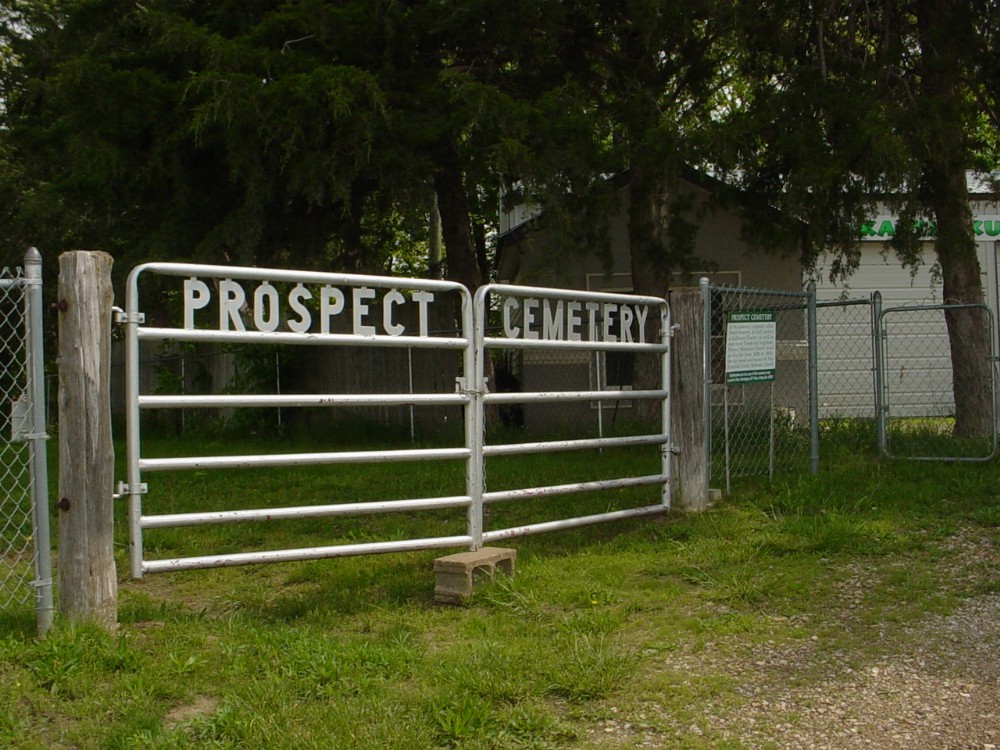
(456, 575)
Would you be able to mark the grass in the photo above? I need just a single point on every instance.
(606, 635)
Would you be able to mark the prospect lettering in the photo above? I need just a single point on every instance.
(300, 308)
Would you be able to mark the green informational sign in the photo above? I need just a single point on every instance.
(750, 346)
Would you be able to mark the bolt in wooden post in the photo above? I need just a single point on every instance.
(88, 582)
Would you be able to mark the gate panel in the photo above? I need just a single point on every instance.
(917, 389)
(270, 307)
(558, 361)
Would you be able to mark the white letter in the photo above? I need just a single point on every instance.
(295, 298)
(265, 296)
(231, 299)
(529, 318)
(592, 308)
(626, 326)
(196, 296)
(609, 319)
(361, 309)
(423, 299)
(573, 325)
(393, 297)
(640, 315)
(331, 302)
(552, 325)
(510, 330)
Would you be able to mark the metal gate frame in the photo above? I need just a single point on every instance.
(471, 394)
(136, 331)
(28, 424)
(883, 407)
(662, 439)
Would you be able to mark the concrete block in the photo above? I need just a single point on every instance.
(456, 575)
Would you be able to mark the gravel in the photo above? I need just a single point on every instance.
(932, 684)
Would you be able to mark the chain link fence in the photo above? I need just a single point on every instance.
(757, 398)
(25, 565)
(15, 475)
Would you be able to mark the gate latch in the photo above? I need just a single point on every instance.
(123, 318)
(20, 419)
(123, 488)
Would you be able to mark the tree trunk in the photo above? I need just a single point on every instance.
(968, 330)
(940, 23)
(459, 248)
(434, 242)
(456, 226)
(648, 218)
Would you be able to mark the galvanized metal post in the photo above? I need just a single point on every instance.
(667, 449)
(706, 301)
(878, 372)
(813, 378)
(474, 377)
(131, 322)
(37, 439)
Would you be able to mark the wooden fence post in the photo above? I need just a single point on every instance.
(88, 582)
(688, 417)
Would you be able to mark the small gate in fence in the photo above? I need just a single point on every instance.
(760, 385)
(916, 384)
(351, 312)
(26, 562)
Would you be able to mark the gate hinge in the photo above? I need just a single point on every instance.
(123, 318)
(670, 448)
(123, 488)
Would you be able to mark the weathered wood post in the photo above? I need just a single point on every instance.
(688, 416)
(88, 583)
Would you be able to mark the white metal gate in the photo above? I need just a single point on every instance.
(326, 309)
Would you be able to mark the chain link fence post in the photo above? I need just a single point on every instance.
(878, 365)
(813, 366)
(706, 302)
(35, 368)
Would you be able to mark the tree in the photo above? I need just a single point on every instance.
(844, 103)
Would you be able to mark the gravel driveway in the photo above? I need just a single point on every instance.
(927, 685)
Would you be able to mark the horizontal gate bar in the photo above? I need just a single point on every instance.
(493, 342)
(307, 553)
(567, 489)
(173, 520)
(572, 294)
(513, 449)
(541, 528)
(287, 400)
(518, 397)
(253, 273)
(300, 459)
(289, 337)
